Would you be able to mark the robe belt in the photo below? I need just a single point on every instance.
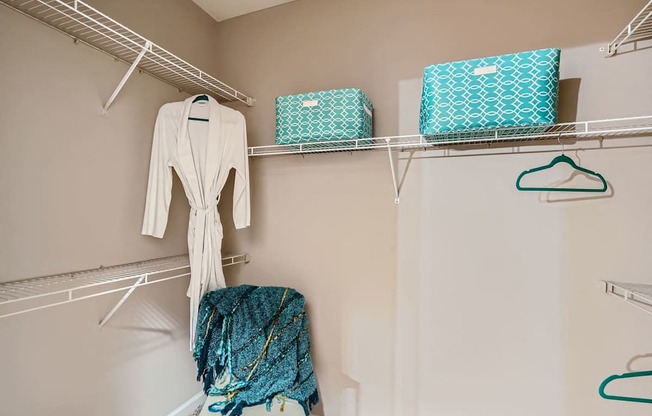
(195, 290)
(201, 210)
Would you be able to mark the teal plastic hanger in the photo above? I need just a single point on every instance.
(202, 97)
(624, 398)
(561, 159)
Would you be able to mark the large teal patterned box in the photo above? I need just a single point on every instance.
(323, 116)
(513, 90)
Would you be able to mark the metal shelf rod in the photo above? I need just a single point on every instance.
(77, 284)
(86, 24)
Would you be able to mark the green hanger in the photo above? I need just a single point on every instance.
(202, 97)
(624, 398)
(559, 159)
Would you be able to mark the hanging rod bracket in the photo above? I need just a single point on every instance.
(146, 47)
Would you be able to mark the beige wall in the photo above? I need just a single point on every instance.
(72, 189)
(327, 224)
(324, 224)
(372, 44)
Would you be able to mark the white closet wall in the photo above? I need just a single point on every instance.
(499, 292)
(327, 225)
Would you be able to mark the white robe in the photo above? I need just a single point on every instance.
(202, 154)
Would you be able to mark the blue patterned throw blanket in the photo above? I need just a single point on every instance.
(254, 343)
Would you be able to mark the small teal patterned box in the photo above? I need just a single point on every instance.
(323, 116)
(519, 89)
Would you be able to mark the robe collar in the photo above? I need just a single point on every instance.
(201, 182)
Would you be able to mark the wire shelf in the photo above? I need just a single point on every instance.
(88, 25)
(42, 292)
(575, 130)
(640, 28)
(636, 294)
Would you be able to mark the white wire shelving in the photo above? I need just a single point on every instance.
(43, 292)
(636, 294)
(88, 25)
(575, 130)
(640, 28)
(584, 130)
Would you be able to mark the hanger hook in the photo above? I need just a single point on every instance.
(561, 144)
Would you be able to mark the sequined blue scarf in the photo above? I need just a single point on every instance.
(254, 342)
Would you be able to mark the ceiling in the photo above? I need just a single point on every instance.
(226, 9)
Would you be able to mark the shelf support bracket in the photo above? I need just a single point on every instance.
(123, 81)
(628, 297)
(397, 191)
(121, 301)
(144, 280)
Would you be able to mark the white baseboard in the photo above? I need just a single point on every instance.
(190, 405)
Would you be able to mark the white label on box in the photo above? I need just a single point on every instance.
(485, 70)
(367, 110)
(310, 103)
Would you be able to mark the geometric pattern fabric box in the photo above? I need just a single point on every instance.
(323, 116)
(519, 89)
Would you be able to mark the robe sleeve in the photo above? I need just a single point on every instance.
(240, 162)
(159, 186)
